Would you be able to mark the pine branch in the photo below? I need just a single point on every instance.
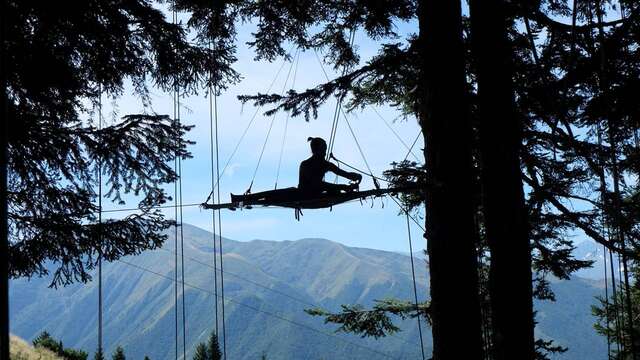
(375, 322)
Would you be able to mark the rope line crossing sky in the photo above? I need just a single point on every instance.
(268, 313)
(275, 291)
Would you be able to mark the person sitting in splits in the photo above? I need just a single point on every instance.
(312, 171)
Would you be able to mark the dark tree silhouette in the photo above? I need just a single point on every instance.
(503, 204)
(99, 355)
(201, 352)
(555, 85)
(611, 319)
(45, 341)
(574, 85)
(118, 354)
(61, 60)
(213, 347)
(444, 115)
(208, 351)
(436, 81)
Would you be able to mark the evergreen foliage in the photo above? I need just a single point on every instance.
(577, 133)
(44, 340)
(574, 76)
(62, 60)
(201, 352)
(612, 319)
(118, 354)
(99, 355)
(376, 322)
(208, 351)
(213, 347)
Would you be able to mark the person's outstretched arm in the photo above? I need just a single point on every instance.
(345, 174)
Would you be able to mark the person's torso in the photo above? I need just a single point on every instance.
(312, 173)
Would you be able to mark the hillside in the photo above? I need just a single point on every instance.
(268, 284)
(21, 350)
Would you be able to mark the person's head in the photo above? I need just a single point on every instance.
(318, 146)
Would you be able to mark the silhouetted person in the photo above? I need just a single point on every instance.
(312, 171)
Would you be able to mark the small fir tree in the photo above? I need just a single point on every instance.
(118, 354)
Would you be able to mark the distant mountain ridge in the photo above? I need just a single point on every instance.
(268, 284)
(592, 251)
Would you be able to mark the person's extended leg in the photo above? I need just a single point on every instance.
(336, 188)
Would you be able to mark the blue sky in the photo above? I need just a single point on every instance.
(351, 224)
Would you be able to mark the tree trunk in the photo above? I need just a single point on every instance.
(443, 112)
(505, 215)
(4, 233)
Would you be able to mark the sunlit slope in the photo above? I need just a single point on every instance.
(140, 311)
(21, 350)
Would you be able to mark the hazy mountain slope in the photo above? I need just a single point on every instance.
(569, 320)
(21, 350)
(592, 251)
(139, 312)
(139, 306)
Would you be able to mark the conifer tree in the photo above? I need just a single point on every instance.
(118, 354)
(201, 352)
(503, 203)
(579, 140)
(611, 319)
(396, 77)
(46, 341)
(210, 350)
(213, 347)
(62, 60)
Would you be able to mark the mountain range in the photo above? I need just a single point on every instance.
(267, 286)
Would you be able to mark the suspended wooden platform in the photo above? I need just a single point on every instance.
(296, 199)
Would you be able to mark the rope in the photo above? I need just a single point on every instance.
(151, 208)
(606, 300)
(331, 156)
(616, 190)
(412, 145)
(100, 230)
(258, 310)
(409, 149)
(215, 186)
(175, 213)
(184, 311)
(406, 211)
(360, 148)
(213, 116)
(224, 328)
(275, 291)
(246, 129)
(355, 139)
(273, 119)
(615, 300)
(336, 113)
(606, 230)
(415, 288)
(286, 125)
